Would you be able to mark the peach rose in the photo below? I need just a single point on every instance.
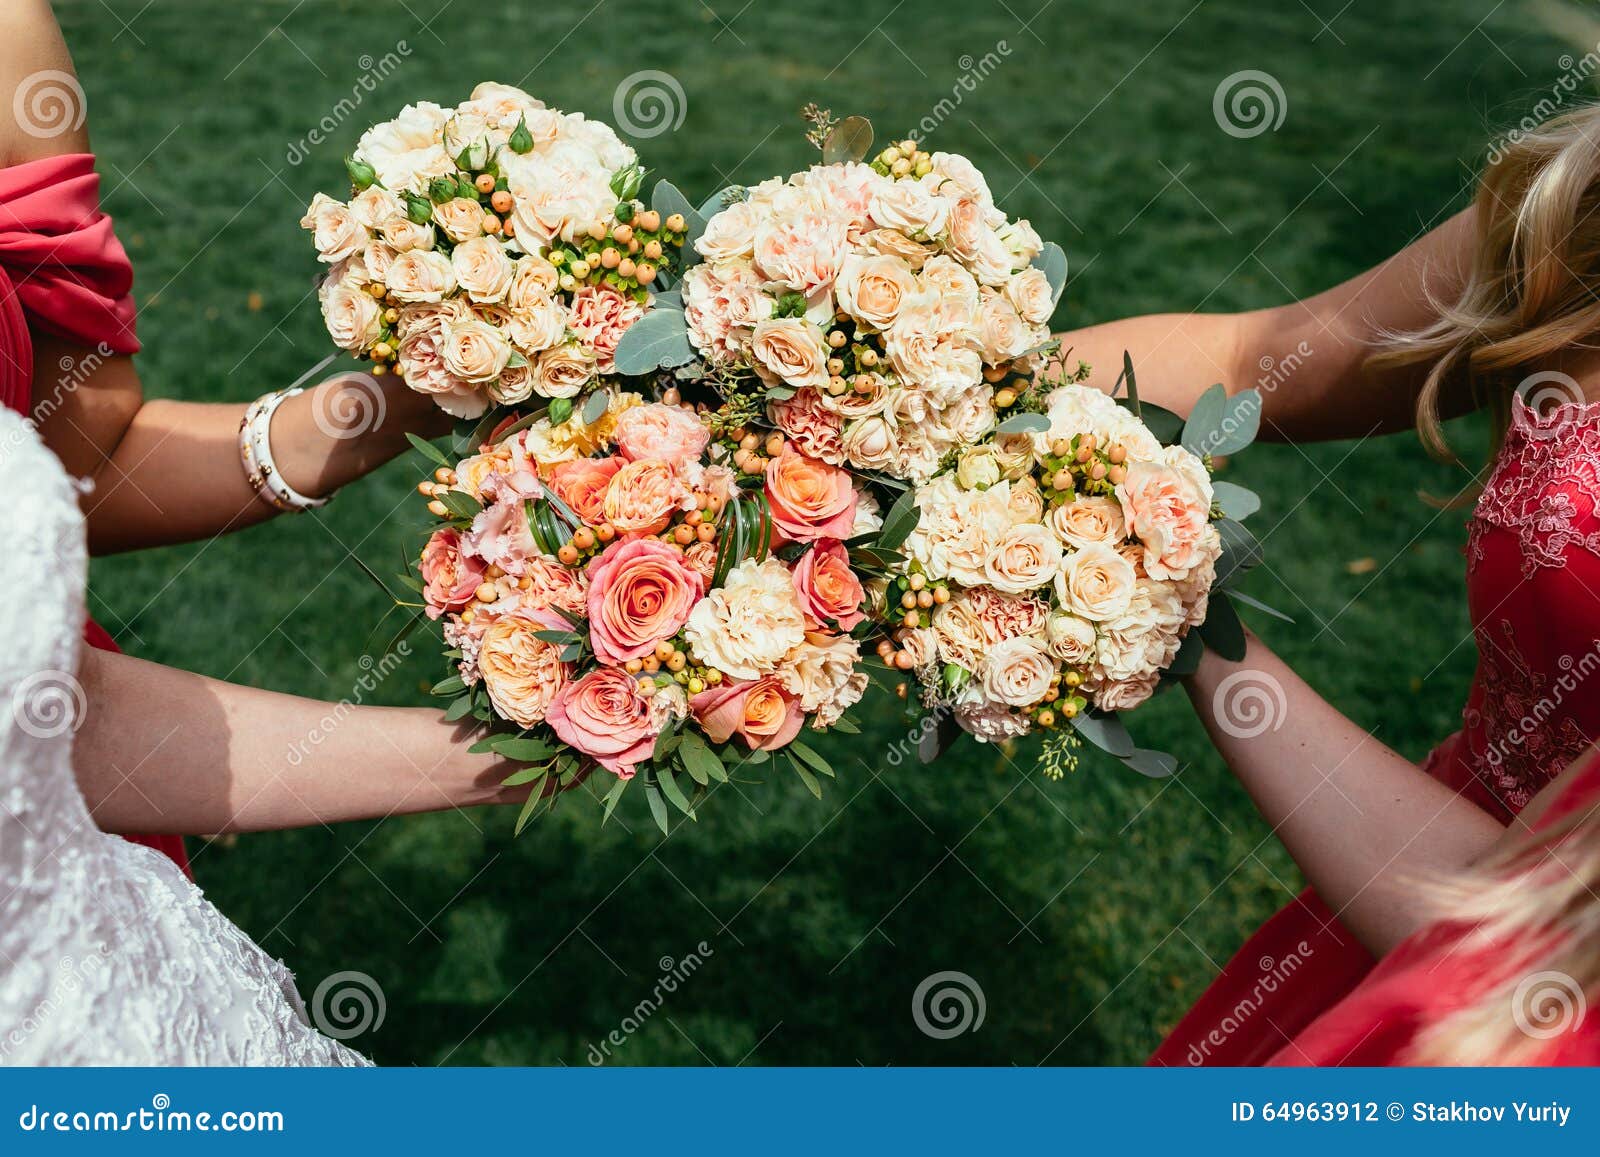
(604, 716)
(521, 672)
(534, 282)
(829, 591)
(702, 558)
(334, 228)
(1089, 520)
(810, 500)
(352, 316)
(789, 350)
(1026, 557)
(761, 713)
(643, 496)
(640, 592)
(459, 219)
(420, 276)
(599, 315)
(872, 289)
(1095, 582)
(563, 371)
(537, 327)
(667, 433)
(474, 350)
(450, 577)
(482, 269)
(1167, 512)
(582, 485)
(1017, 672)
(405, 235)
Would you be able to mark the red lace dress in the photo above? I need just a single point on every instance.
(63, 272)
(1533, 589)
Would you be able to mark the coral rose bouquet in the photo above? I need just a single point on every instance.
(494, 252)
(639, 594)
(1062, 566)
(882, 307)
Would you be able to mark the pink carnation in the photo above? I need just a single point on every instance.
(599, 315)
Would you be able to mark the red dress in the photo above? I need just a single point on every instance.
(63, 271)
(1533, 590)
(1441, 970)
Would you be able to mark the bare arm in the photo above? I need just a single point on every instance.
(166, 750)
(169, 472)
(1307, 357)
(1364, 824)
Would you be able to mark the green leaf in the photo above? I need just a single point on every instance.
(529, 810)
(1220, 424)
(718, 201)
(522, 750)
(1106, 732)
(1166, 426)
(702, 764)
(1133, 386)
(594, 407)
(563, 637)
(613, 796)
(898, 524)
(808, 755)
(660, 339)
(1241, 597)
(560, 410)
(1052, 262)
(658, 806)
(1024, 423)
(526, 775)
(850, 140)
(460, 709)
(428, 450)
(454, 685)
(845, 724)
(1222, 630)
(1240, 551)
(1155, 764)
(1235, 501)
(670, 788)
(807, 778)
(461, 504)
(1187, 660)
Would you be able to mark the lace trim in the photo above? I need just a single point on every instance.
(1545, 486)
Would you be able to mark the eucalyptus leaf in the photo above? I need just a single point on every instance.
(1223, 424)
(850, 140)
(1247, 600)
(1241, 551)
(1105, 731)
(718, 201)
(660, 339)
(1155, 764)
(1235, 501)
(1222, 630)
(1052, 262)
(1024, 423)
(1162, 423)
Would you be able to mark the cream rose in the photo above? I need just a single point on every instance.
(1017, 672)
(459, 219)
(537, 326)
(791, 351)
(730, 235)
(474, 350)
(1085, 521)
(1070, 638)
(872, 289)
(1095, 582)
(354, 319)
(910, 206)
(334, 229)
(420, 276)
(562, 372)
(482, 269)
(1030, 294)
(1026, 557)
(1001, 333)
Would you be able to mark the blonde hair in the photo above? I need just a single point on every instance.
(1533, 912)
(1533, 288)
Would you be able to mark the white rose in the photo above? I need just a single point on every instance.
(334, 229)
(745, 627)
(1022, 240)
(1026, 557)
(959, 179)
(420, 275)
(948, 278)
(403, 234)
(483, 270)
(1017, 672)
(407, 152)
(730, 235)
(474, 350)
(978, 468)
(1095, 582)
(910, 206)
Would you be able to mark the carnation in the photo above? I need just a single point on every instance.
(746, 626)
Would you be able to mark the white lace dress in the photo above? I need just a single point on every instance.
(108, 954)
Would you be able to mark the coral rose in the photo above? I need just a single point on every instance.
(604, 716)
(810, 500)
(582, 485)
(830, 594)
(761, 713)
(643, 496)
(450, 577)
(640, 592)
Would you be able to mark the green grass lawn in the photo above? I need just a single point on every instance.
(1091, 911)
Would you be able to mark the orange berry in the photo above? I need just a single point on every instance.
(568, 554)
(584, 539)
(484, 183)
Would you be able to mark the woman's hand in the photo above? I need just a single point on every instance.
(166, 750)
(1365, 825)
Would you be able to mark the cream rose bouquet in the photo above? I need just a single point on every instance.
(1061, 567)
(884, 309)
(637, 592)
(492, 252)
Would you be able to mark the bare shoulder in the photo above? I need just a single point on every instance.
(41, 102)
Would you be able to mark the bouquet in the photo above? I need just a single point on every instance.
(1059, 568)
(491, 252)
(886, 309)
(631, 591)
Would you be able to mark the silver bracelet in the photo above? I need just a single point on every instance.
(255, 451)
